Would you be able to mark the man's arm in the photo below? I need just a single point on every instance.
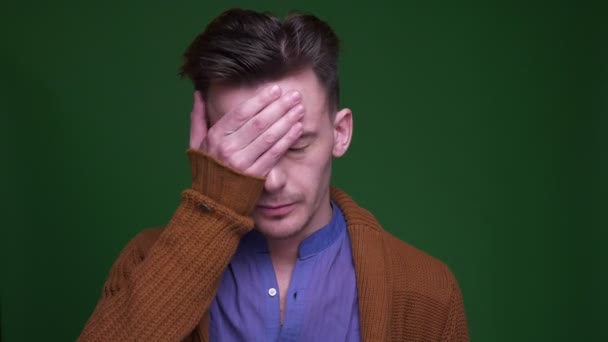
(161, 294)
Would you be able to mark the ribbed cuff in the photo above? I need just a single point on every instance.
(223, 184)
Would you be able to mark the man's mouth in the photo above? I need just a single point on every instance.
(275, 209)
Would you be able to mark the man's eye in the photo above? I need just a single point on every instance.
(298, 149)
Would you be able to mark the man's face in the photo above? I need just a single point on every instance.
(295, 201)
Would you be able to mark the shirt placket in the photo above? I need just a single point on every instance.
(297, 301)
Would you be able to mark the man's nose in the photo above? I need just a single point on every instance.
(275, 180)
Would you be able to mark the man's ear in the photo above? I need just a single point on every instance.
(343, 132)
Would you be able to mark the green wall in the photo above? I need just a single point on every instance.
(480, 137)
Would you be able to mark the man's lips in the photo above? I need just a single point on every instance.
(273, 206)
(275, 209)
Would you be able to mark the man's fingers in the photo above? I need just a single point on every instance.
(264, 141)
(268, 160)
(198, 121)
(261, 128)
(267, 117)
(233, 120)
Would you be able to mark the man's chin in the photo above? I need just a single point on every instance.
(277, 228)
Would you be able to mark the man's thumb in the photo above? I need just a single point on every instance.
(198, 121)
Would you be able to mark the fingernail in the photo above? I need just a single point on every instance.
(300, 111)
(274, 90)
(295, 96)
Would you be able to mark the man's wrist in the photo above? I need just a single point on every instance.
(223, 184)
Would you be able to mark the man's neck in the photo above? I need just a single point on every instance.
(284, 252)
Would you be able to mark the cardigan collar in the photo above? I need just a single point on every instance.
(372, 269)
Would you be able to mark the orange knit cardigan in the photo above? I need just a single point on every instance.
(161, 286)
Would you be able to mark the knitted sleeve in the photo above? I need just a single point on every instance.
(456, 329)
(160, 293)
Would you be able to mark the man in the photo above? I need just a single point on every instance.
(261, 247)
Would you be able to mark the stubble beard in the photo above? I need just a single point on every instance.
(286, 227)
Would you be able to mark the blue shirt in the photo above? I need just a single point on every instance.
(321, 303)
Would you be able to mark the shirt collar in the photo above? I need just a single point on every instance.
(324, 237)
(312, 245)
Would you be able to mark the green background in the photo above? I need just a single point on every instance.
(480, 137)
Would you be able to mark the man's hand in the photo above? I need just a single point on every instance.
(255, 135)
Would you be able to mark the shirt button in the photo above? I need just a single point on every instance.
(272, 292)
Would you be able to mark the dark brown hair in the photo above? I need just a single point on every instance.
(245, 47)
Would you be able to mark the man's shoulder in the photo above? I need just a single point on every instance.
(415, 268)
